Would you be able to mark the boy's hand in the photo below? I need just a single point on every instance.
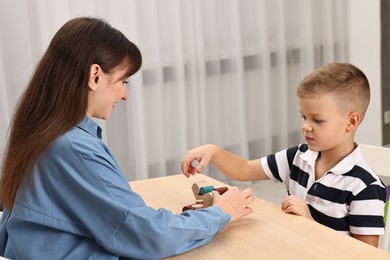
(293, 204)
(201, 155)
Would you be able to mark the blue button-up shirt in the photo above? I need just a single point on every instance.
(78, 205)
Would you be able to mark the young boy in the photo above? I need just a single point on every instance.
(326, 177)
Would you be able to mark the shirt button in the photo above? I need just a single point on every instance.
(315, 186)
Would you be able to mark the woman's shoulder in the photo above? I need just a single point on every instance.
(75, 142)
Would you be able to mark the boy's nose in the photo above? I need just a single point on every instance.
(306, 127)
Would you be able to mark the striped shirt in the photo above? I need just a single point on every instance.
(349, 198)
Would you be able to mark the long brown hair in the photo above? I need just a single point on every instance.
(56, 98)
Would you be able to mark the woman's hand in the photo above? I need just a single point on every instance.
(234, 202)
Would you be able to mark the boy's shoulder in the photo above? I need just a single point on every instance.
(360, 169)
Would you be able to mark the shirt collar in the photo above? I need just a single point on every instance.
(345, 165)
(310, 157)
(90, 126)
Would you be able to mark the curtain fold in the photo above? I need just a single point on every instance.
(214, 71)
(4, 107)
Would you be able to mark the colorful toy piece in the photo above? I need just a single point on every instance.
(203, 195)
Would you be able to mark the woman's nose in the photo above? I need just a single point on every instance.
(125, 93)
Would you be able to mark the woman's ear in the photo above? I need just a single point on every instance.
(354, 120)
(94, 77)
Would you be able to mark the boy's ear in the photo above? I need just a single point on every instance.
(94, 77)
(354, 120)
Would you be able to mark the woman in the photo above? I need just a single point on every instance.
(63, 192)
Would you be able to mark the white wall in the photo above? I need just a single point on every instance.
(364, 52)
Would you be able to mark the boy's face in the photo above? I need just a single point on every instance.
(323, 123)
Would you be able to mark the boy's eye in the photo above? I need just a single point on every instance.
(125, 82)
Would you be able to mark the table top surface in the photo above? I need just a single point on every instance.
(267, 233)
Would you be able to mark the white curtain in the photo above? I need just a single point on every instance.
(214, 71)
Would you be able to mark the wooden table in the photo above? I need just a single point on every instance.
(267, 233)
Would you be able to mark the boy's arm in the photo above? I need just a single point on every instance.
(230, 164)
(369, 239)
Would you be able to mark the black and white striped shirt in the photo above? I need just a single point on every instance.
(349, 198)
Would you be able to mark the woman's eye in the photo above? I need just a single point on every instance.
(125, 82)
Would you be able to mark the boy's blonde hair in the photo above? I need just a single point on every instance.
(344, 81)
